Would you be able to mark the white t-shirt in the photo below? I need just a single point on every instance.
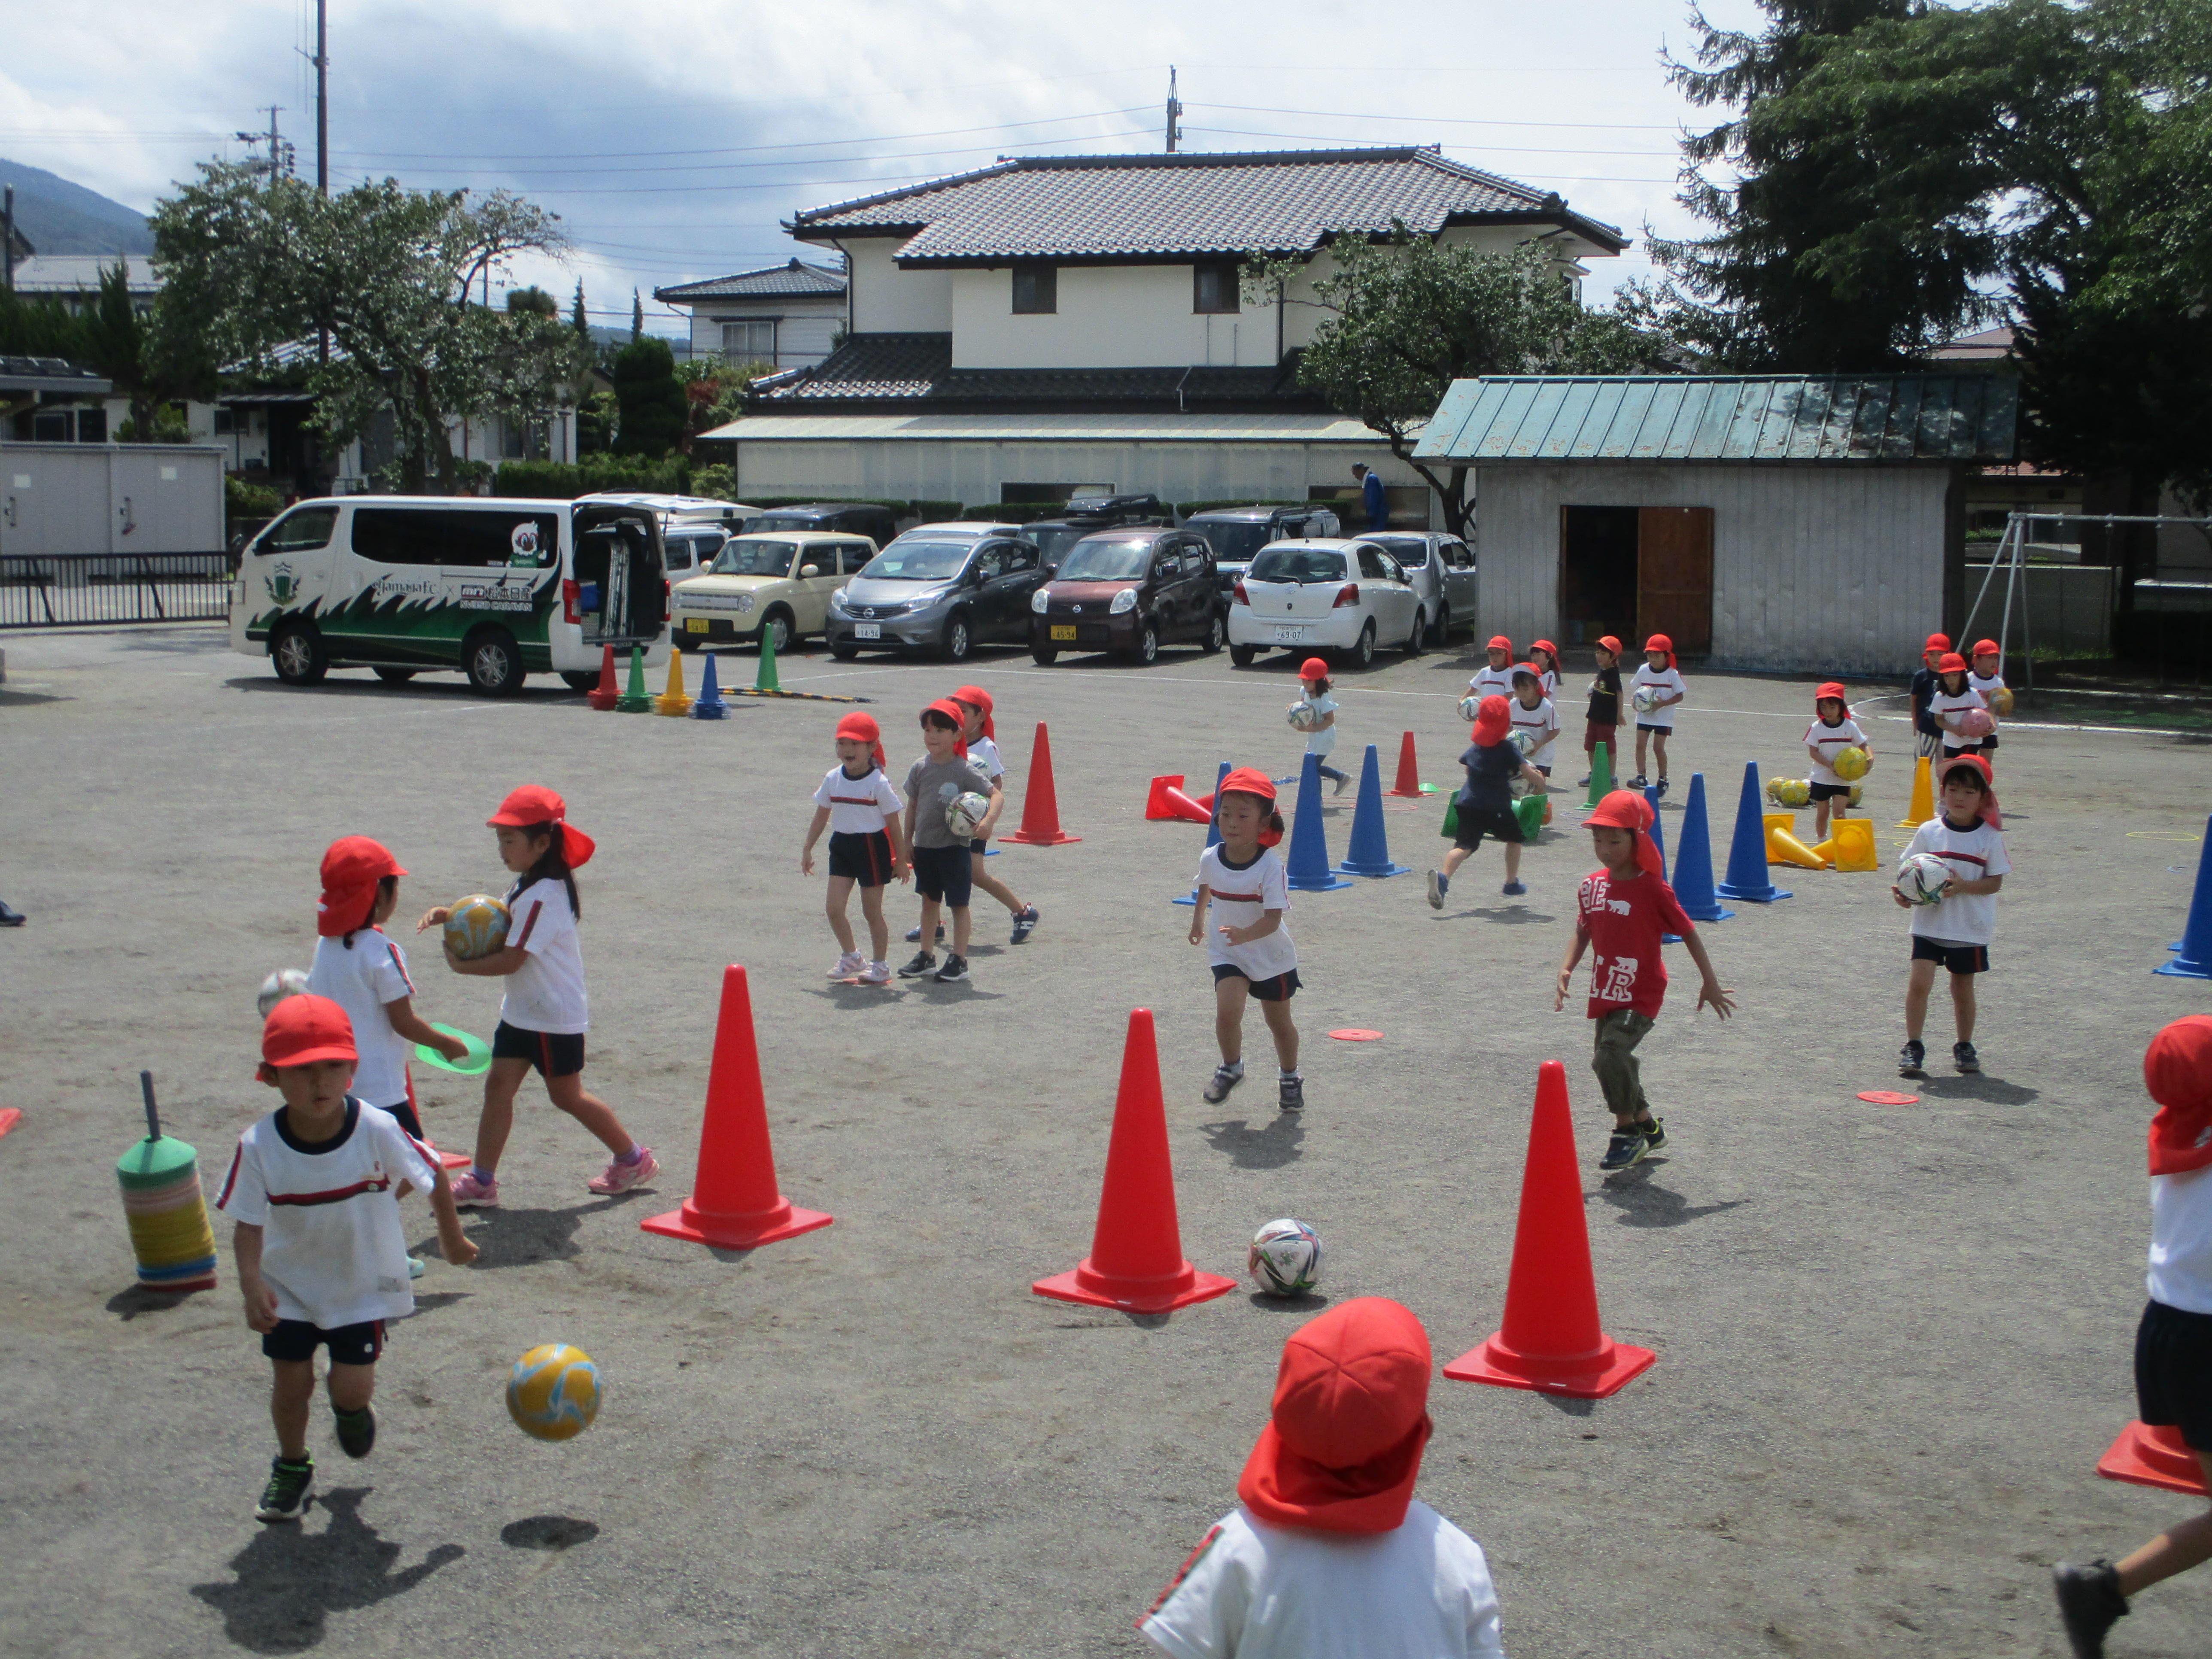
(1944, 704)
(1242, 897)
(1830, 741)
(1321, 742)
(1670, 683)
(1969, 854)
(546, 993)
(857, 806)
(1254, 1591)
(1984, 686)
(1541, 723)
(331, 1245)
(2181, 1241)
(1492, 682)
(983, 756)
(361, 981)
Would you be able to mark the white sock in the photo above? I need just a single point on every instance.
(1236, 1066)
(1292, 1076)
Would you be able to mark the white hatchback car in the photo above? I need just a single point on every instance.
(1345, 596)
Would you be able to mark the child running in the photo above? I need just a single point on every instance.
(1602, 724)
(1954, 933)
(1249, 946)
(1536, 722)
(543, 1014)
(980, 732)
(1321, 736)
(1622, 911)
(1952, 701)
(322, 1263)
(943, 871)
(1484, 805)
(1658, 674)
(1927, 735)
(1833, 730)
(1329, 1553)
(1495, 678)
(867, 846)
(2173, 1342)
(1986, 680)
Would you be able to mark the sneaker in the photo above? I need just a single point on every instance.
(2089, 1603)
(416, 1267)
(1439, 884)
(849, 964)
(914, 933)
(285, 1497)
(875, 973)
(1343, 782)
(923, 962)
(1964, 1057)
(1639, 783)
(954, 971)
(1025, 923)
(1292, 1097)
(620, 1177)
(1583, 782)
(470, 1193)
(1514, 888)
(1654, 1134)
(1910, 1059)
(356, 1430)
(1662, 785)
(1226, 1077)
(1627, 1147)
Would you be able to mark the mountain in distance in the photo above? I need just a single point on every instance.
(61, 217)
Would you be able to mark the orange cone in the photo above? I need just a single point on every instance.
(608, 693)
(1040, 805)
(2154, 1457)
(1166, 800)
(1136, 1261)
(1551, 1340)
(735, 1204)
(1409, 775)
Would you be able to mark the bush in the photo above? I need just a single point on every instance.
(241, 500)
(719, 481)
(561, 481)
(654, 408)
(934, 512)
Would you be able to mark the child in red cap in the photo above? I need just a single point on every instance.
(2173, 1342)
(1621, 911)
(1495, 678)
(1985, 680)
(314, 1187)
(867, 846)
(1321, 736)
(1484, 805)
(1949, 704)
(1657, 687)
(1927, 734)
(1833, 730)
(1248, 946)
(979, 730)
(1544, 658)
(1601, 723)
(545, 1014)
(944, 863)
(1329, 1553)
(1954, 933)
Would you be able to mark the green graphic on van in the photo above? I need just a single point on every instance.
(283, 585)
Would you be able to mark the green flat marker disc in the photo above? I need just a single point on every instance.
(474, 1064)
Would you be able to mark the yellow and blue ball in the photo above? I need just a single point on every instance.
(476, 926)
(554, 1392)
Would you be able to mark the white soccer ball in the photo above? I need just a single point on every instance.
(1645, 699)
(1285, 1258)
(964, 814)
(284, 982)
(1523, 741)
(1921, 876)
(1470, 706)
(1302, 717)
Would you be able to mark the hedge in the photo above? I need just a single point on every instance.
(562, 481)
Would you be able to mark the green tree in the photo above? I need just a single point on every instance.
(578, 317)
(534, 300)
(651, 399)
(637, 317)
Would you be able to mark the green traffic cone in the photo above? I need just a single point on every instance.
(765, 680)
(1451, 819)
(1601, 777)
(635, 700)
(1529, 811)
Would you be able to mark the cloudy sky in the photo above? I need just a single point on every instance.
(672, 136)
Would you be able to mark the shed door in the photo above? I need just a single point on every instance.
(1675, 575)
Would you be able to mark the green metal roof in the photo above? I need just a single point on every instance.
(1725, 417)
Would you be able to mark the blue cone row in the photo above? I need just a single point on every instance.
(1308, 860)
(709, 706)
(1747, 866)
(1693, 865)
(1370, 852)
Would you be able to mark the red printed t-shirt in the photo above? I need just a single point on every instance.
(1625, 920)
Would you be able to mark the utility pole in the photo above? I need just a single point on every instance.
(1175, 112)
(323, 96)
(8, 236)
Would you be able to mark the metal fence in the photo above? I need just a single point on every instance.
(79, 590)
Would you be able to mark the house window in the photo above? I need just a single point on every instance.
(1213, 289)
(1036, 290)
(749, 343)
(51, 426)
(92, 426)
(226, 422)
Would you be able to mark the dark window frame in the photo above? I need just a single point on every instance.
(1042, 281)
(1229, 298)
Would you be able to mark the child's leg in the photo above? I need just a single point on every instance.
(351, 1386)
(929, 907)
(569, 1095)
(841, 895)
(879, 931)
(2175, 1550)
(960, 918)
(997, 888)
(1659, 749)
(1820, 821)
(1642, 738)
(289, 1396)
(1329, 772)
(1277, 1015)
(1916, 999)
(497, 1121)
(1228, 996)
(1512, 860)
(1615, 1061)
(1453, 860)
(1962, 1004)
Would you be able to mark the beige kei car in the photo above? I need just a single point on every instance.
(779, 581)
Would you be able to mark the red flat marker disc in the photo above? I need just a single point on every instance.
(1887, 1098)
(1352, 1034)
(9, 1117)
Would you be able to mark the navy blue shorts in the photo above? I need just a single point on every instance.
(866, 858)
(295, 1340)
(1475, 823)
(552, 1054)
(943, 872)
(1959, 958)
(1820, 791)
(2174, 1372)
(1280, 988)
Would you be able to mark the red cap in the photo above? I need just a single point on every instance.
(1493, 717)
(1623, 808)
(1831, 688)
(352, 866)
(1660, 642)
(534, 804)
(1951, 663)
(2177, 1071)
(304, 1029)
(976, 697)
(1313, 668)
(1609, 643)
(953, 712)
(1343, 1445)
(1248, 781)
(1527, 668)
(1500, 642)
(862, 728)
(1988, 648)
(1992, 814)
(1937, 642)
(1547, 648)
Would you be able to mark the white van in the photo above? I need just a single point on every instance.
(495, 588)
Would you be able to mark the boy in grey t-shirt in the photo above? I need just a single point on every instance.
(940, 858)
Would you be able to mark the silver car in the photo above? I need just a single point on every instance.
(940, 588)
(1441, 570)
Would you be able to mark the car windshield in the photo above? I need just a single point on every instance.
(1051, 543)
(750, 558)
(1233, 544)
(1297, 564)
(919, 562)
(1410, 551)
(1106, 562)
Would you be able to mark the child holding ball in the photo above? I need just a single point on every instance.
(1833, 730)
(867, 846)
(1495, 678)
(1321, 736)
(1249, 945)
(543, 1015)
(1658, 676)
(1484, 805)
(980, 732)
(942, 861)
(1985, 680)
(1955, 932)
(1952, 701)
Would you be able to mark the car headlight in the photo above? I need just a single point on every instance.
(745, 601)
(1038, 601)
(1124, 602)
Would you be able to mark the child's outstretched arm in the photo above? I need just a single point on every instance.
(1198, 914)
(1710, 991)
(1574, 949)
(434, 917)
(813, 834)
(508, 959)
(452, 1243)
(406, 1022)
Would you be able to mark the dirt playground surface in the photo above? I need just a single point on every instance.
(1892, 1341)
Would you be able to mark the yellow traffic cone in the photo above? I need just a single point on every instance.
(1924, 797)
(674, 702)
(1782, 847)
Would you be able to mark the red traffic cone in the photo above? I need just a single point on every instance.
(1551, 1340)
(1136, 1261)
(1166, 800)
(735, 1204)
(607, 693)
(2154, 1457)
(1040, 805)
(1156, 797)
(1409, 775)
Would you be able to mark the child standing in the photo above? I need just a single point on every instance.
(868, 847)
(1495, 678)
(1622, 911)
(1985, 681)
(1948, 706)
(1833, 730)
(943, 870)
(543, 1015)
(1484, 805)
(1928, 735)
(315, 1188)
(1602, 724)
(1536, 722)
(1659, 674)
(1954, 933)
(980, 732)
(1544, 658)
(2173, 1342)
(1321, 736)
(1249, 946)
(1328, 1552)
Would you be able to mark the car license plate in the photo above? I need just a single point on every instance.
(695, 625)
(1063, 630)
(867, 630)
(1287, 634)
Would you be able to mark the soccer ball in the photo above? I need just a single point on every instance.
(553, 1393)
(1921, 876)
(1976, 723)
(2001, 701)
(964, 814)
(1302, 717)
(1523, 742)
(1851, 764)
(475, 927)
(284, 982)
(1470, 708)
(1644, 699)
(1858, 794)
(1285, 1258)
(1791, 793)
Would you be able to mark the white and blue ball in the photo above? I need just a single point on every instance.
(1285, 1258)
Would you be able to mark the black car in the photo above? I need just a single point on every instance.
(1088, 515)
(1236, 534)
(1129, 590)
(878, 524)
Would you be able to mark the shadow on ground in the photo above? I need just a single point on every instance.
(1267, 1148)
(508, 1238)
(1643, 1202)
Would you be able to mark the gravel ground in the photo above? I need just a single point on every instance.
(1892, 1341)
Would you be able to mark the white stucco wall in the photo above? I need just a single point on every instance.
(1109, 317)
(889, 301)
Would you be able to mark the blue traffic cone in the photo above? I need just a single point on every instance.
(1308, 860)
(1747, 866)
(709, 706)
(2193, 960)
(1370, 852)
(1659, 841)
(1693, 869)
(1213, 830)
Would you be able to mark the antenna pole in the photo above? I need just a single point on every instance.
(1175, 112)
(323, 96)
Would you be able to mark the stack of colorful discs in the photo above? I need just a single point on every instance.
(168, 1217)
